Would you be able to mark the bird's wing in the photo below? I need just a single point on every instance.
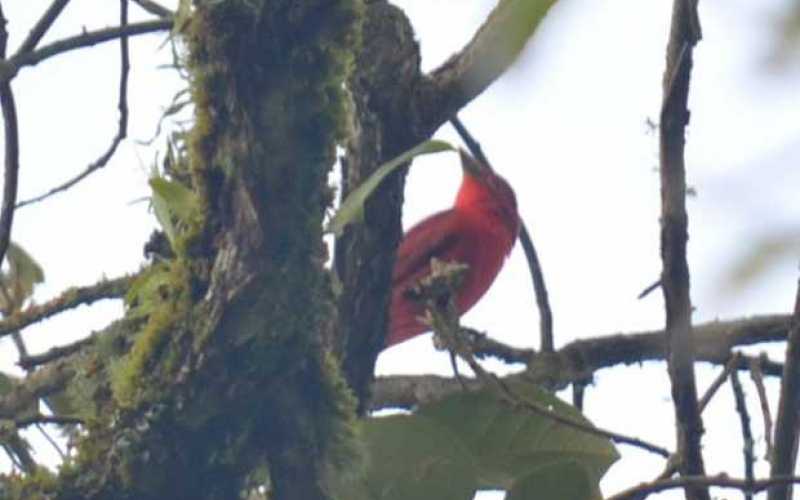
(435, 236)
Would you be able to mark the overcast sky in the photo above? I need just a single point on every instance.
(567, 126)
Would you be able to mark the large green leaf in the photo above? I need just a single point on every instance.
(411, 458)
(511, 443)
(352, 208)
(474, 440)
(560, 480)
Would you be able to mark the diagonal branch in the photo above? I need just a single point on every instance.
(787, 424)
(122, 125)
(10, 67)
(154, 8)
(11, 175)
(42, 25)
(70, 299)
(674, 235)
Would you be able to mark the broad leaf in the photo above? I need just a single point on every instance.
(510, 444)
(411, 458)
(473, 440)
(352, 208)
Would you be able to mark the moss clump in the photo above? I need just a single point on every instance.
(162, 295)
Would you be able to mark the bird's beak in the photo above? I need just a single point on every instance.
(470, 165)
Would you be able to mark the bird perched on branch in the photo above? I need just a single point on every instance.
(479, 230)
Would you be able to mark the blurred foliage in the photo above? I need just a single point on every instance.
(19, 280)
(763, 253)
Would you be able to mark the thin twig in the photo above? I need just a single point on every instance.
(42, 25)
(733, 364)
(444, 321)
(11, 149)
(29, 362)
(542, 299)
(69, 299)
(154, 8)
(747, 433)
(719, 481)
(717, 383)
(122, 124)
(757, 376)
(10, 67)
(787, 424)
(674, 235)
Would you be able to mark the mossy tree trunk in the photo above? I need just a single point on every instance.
(228, 373)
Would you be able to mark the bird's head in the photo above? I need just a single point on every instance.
(482, 188)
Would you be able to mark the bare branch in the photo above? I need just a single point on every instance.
(747, 433)
(29, 362)
(721, 481)
(757, 375)
(674, 235)
(42, 25)
(154, 8)
(12, 149)
(122, 125)
(537, 277)
(730, 366)
(787, 424)
(10, 67)
(71, 298)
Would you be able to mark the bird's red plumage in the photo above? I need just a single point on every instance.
(479, 231)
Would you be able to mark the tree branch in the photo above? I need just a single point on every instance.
(122, 125)
(154, 8)
(747, 433)
(720, 481)
(69, 299)
(757, 375)
(582, 358)
(42, 25)
(787, 424)
(10, 67)
(11, 149)
(674, 235)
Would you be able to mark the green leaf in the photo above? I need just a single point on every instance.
(410, 458)
(172, 201)
(565, 480)
(352, 208)
(473, 440)
(509, 444)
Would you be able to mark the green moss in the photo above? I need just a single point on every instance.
(163, 296)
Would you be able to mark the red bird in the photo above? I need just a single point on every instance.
(480, 231)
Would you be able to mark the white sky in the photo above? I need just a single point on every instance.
(566, 126)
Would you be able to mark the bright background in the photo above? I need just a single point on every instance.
(567, 126)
